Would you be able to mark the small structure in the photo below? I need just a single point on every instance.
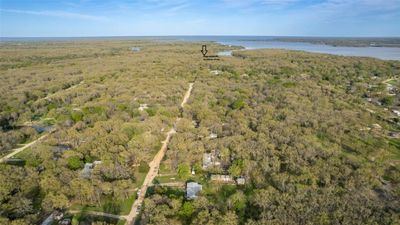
(215, 72)
(97, 162)
(192, 189)
(58, 215)
(195, 124)
(394, 135)
(143, 107)
(135, 49)
(58, 150)
(49, 220)
(209, 160)
(66, 221)
(225, 53)
(193, 172)
(240, 180)
(391, 88)
(376, 126)
(221, 178)
(397, 112)
(87, 170)
(213, 135)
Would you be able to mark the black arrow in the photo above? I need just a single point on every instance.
(204, 50)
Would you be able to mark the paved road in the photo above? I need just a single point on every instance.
(18, 150)
(154, 166)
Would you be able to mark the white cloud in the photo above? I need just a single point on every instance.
(55, 13)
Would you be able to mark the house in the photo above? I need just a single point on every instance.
(240, 180)
(192, 189)
(209, 160)
(221, 178)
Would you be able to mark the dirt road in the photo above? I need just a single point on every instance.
(18, 150)
(154, 166)
(68, 89)
(187, 95)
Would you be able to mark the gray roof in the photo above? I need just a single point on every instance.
(192, 189)
(87, 170)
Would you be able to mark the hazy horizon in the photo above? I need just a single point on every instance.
(202, 35)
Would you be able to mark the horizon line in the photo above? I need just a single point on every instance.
(201, 35)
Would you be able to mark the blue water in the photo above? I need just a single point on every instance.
(385, 53)
(248, 42)
(259, 42)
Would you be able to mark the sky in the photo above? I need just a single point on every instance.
(78, 18)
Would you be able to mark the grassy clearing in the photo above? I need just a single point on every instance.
(83, 219)
(110, 205)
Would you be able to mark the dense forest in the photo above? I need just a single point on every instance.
(315, 137)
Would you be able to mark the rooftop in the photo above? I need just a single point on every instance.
(192, 189)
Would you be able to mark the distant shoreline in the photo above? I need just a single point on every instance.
(392, 42)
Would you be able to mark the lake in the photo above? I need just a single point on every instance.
(384, 53)
(259, 42)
